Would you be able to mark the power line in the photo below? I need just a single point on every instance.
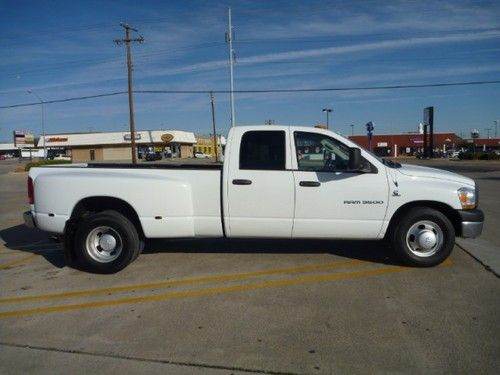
(79, 62)
(75, 63)
(346, 37)
(299, 12)
(66, 99)
(261, 91)
(360, 88)
(474, 56)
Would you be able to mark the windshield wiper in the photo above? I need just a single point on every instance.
(391, 164)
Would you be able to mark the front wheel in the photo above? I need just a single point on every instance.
(106, 242)
(423, 237)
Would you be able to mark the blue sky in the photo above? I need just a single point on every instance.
(65, 48)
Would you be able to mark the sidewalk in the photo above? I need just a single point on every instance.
(483, 251)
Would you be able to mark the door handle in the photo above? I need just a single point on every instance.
(309, 183)
(242, 182)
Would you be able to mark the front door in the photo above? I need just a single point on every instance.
(260, 188)
(331, 201)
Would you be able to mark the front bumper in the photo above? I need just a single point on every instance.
(29, 220)
(472, 223)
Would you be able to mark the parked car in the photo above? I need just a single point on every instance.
(61, 157)
(153, 156)
(263, 190)
(2, 157)
(201, 155)
(452, 154)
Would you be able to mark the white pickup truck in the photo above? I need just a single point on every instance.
(276, 182)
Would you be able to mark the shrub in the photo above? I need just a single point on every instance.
(466, 156)
(479, 156)
(40, 163)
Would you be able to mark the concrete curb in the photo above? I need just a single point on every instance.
(483, 251)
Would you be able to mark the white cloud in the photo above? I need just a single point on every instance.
(330, 51)
(372, 46)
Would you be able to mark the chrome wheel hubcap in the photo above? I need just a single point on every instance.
(104, 244)
(424, 238)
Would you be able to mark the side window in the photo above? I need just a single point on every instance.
(318, 152)
(263, 150)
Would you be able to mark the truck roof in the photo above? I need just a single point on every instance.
(282, 127)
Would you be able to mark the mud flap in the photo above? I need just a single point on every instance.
(70, 257)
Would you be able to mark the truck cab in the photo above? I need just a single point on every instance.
(293, 182)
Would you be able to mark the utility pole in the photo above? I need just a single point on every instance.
(43, 121)
(496, 128)
(229, 40)
(213, 126)
(352, 129)
(127, 42)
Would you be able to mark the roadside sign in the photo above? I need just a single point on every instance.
(23, 138)
(167, 137)
(369, 130)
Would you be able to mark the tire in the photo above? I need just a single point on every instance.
(424, 237)
(142, 243)
(106, 242)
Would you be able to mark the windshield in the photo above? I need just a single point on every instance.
(387, 162)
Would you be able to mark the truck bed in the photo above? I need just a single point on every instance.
(170, 200)
(216, 166)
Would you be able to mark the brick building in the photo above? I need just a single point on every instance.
(482, 144)
(406, 144)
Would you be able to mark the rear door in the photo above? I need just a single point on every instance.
(260, 189)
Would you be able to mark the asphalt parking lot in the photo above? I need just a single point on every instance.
(231, 307)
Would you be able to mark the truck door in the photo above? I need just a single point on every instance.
(331, 201)
(260, 189)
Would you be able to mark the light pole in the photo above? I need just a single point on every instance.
(352, 129)
(327, 110)
(488, 132)
(496, 128)
(43, 121)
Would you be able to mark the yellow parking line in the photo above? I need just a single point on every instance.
(206, 292)
(12, 253)
(197, 280)
(17, 261)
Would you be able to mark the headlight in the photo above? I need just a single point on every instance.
(467, 197)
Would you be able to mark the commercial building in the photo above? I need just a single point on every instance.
(11, 150)
(116, 145)
(482, 144)
(406, 144)
(205, 145)
(8, 149)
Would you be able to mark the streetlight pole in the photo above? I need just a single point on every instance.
(229, 40)
(43, 121)
(496, 128)
(488, 132)
(352, 129)
(327, 110)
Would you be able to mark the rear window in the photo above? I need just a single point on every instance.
(263, 150)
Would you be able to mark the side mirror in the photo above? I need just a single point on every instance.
(354, 159)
